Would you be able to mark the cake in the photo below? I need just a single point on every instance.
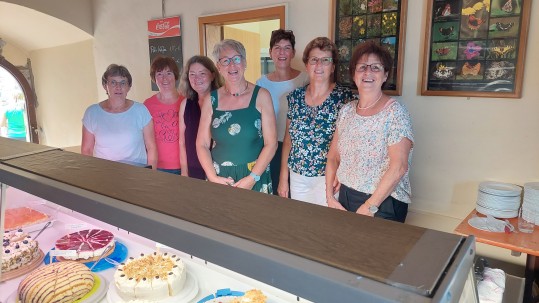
(251, 296)
(155, 276)
(57, 282)
(88, 243)
(18, 250)
(23, 216)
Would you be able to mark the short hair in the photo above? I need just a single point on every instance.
(185, 86)
(367, 48)
(114, 70)
(160, 62)
(282, 34)
(324, 44)
(228, 43)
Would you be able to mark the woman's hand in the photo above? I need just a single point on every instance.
(221, 180)
(333, 203)
(283, 189)
(364, 210)
(245, 182)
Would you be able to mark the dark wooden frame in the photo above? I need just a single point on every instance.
(394, 85)
(489, 64)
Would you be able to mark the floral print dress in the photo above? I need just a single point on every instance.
(311, 129)
(238, 140)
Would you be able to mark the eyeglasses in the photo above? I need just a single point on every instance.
(375, 67)
(114, 83)
(324, 60)
(225, 61)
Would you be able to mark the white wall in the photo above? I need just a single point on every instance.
(65, 84)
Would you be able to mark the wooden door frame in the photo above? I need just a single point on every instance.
(29, 96)
(254, 15)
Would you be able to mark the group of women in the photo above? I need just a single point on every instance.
(295, 134)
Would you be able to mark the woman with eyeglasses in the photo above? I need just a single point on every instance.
(280, 83)
(372, 148)
(117, 128)
(164, 107)
(200, 76)
(239, 117)
(312, 111)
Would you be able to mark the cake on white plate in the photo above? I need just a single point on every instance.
(150, 277)
(88, 243)
(19, 249)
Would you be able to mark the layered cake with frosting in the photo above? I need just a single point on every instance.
(88, 243)
(18, 250)
(57, 282)
(155, 276)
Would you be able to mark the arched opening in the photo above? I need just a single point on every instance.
(10, 109)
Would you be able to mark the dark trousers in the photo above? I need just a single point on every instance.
(390, 209)
(275, 167)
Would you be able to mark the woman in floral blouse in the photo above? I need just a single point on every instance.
(312, 112)
(372, 148)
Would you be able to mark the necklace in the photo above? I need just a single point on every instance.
(238, 94)
(367, 107)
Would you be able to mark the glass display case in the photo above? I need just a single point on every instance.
(292, 251)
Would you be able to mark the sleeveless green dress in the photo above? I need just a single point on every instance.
(238, 140)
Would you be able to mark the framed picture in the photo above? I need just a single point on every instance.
(475, 48)
(356, 21)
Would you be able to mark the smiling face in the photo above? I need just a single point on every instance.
(282, 53)
(117, 87)
(232, 72)
(368, 80)
(200, 78)
(319, 71)
(165, 79)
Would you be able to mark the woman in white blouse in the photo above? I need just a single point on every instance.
(372, 147)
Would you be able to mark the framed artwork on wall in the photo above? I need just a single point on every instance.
(357, 21)
(475, 48)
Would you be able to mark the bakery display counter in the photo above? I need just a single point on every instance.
(311, 252)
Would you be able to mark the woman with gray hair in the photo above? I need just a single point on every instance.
(117, 128)
(239, 117)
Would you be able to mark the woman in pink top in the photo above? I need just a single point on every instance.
(164, 107)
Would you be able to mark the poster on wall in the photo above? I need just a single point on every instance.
(164, 38)
(475, 47)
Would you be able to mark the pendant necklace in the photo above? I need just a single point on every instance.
(238, 94)
(367, 107)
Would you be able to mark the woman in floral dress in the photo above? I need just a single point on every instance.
(312, 112)
(239, 117)
(372, 147)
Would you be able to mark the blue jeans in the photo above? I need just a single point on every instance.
(175, 171)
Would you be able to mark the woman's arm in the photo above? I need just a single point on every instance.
(333, 161)
(284, 188)
(265, 105)
(204, 142)
(183, 153)
(398, 165)
(149, 141)
(88, 142)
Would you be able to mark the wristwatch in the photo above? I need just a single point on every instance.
(373, 208)
(255, 176)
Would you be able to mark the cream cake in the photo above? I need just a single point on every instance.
(150, 277)
(251, 296)
(88, 243)
(57, 282)
(18, 250)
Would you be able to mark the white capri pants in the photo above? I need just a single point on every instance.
(308, 189)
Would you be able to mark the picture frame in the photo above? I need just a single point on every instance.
(475, 48)
(357, 21)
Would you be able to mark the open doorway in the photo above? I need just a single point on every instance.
(252, 28)
(17, 112)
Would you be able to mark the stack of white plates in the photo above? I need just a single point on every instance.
(530, 203)
(500, 200)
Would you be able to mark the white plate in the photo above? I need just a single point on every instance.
(188, 293)
(97, 293)
(496, 213)
(494, 225)
(500, 189)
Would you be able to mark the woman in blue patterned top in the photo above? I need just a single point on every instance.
(312, 112)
